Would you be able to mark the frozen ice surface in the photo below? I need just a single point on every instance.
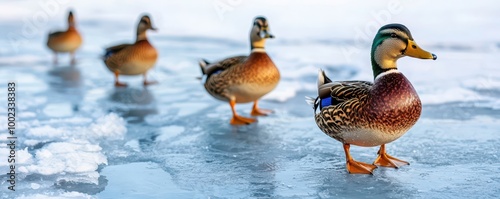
(79, 137)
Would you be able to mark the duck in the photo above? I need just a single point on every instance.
(244, 79)
(370, 114)
(133, 59)
(65, 41)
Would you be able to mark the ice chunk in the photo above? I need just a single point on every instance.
(73, 157)
(111, 127)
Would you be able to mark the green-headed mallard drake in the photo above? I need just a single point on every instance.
(133, 59)
(371, 114)
(65, 41)
(244, 79)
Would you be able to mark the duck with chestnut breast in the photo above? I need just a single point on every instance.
(133, 59)
(370, 114)
(244, 79)
(65, 41)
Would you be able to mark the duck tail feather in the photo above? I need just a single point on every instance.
(322, 78)
(203, 64)
(310, 100)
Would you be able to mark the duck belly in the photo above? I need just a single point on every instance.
(250, 92)
(133, 61)
(65, 43)
(136, 67)
(370, 137)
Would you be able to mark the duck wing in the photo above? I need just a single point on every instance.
(56, 34)
(347, 90)
(115, 49)
(220, 66)
(336, 93)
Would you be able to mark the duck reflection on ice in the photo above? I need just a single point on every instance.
(134, 104)
(67, 80)
(66, 77)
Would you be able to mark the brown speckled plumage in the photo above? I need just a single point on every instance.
(255, 70)
(243, 79)
(65, 41)
(389, 106)
(132, 59)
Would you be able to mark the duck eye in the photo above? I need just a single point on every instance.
(393, 35)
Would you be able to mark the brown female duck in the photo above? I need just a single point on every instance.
(133, 59)
(244, 79)
(65, 41)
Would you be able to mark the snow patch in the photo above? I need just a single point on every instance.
(73, 157)
(111, 127)
(70, 153)
(66, 195)
(23, 157)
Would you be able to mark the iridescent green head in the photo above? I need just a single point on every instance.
(392, 42)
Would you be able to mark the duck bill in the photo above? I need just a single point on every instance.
(413, 50)
(154, 29)
(266, 35)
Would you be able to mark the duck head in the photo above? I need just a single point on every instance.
(392, 42)
(144, 25)
(259, 33)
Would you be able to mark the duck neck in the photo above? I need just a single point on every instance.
(71, 24)
(258, 50)
(378, 70)
(141, 35)
(257, 43)
(382, 61)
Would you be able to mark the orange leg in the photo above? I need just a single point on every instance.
(239, 120)
(259, 112)
(73, 60)
(117, 83)
(386, 160)
(55, 58)
(146, 83)
(355, 167)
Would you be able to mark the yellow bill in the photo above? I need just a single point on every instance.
(413, 50)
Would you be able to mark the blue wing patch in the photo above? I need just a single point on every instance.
(217, 72)
(325, 102)
(108, 54)
(205, 77)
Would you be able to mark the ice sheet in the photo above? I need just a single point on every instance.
(79, 137)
